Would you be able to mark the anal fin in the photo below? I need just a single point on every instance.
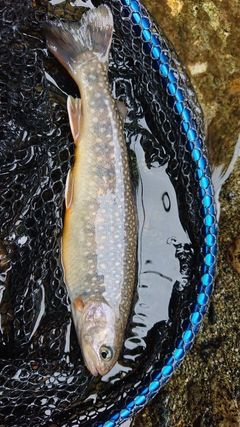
(69, 190)
(74, 115)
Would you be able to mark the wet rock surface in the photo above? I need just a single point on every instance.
(234, 254)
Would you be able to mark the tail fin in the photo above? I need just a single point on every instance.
(76, 42)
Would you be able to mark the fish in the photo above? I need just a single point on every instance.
(99, 237)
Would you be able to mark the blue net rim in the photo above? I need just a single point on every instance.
(142, 23)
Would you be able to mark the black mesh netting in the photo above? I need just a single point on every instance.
(43, 380)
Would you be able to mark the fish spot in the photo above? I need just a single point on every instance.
(100, 219)
(92, 77)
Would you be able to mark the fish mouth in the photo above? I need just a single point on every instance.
(90, 356)
(92, 368)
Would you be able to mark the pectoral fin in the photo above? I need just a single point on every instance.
(74, 114)
(78, 303)
(69, 190)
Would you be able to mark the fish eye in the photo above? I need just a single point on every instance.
(106, 353)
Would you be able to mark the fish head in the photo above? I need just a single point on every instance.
(100, 335)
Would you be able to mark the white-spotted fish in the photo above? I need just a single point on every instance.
(99, 235)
